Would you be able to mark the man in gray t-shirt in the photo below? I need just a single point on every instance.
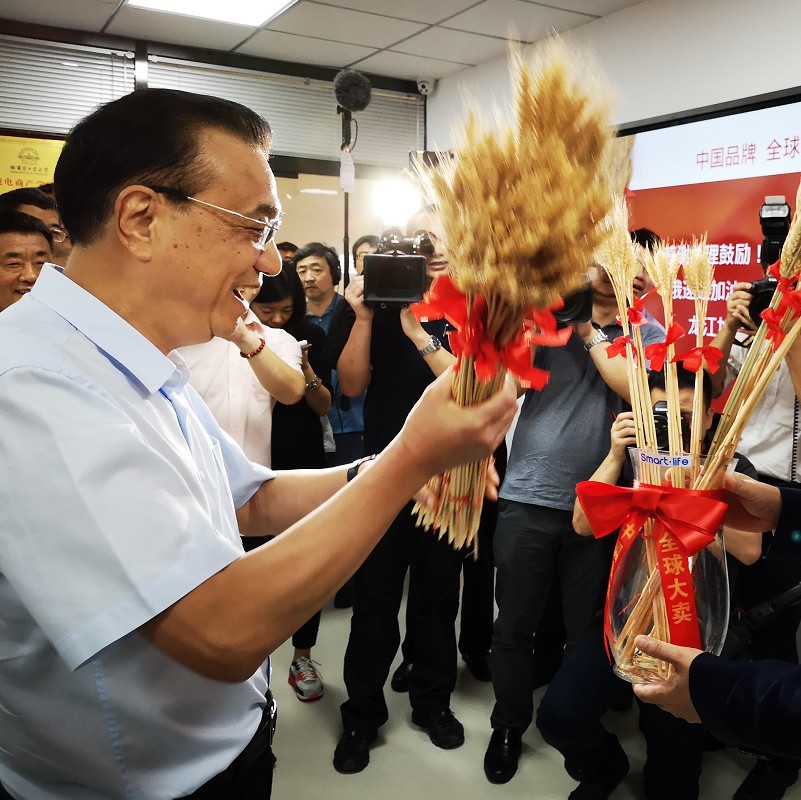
(562, 435)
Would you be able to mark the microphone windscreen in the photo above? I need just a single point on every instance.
(352, 90)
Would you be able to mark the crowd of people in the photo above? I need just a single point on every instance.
(210, 409)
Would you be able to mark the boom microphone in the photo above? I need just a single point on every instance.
(352, 92)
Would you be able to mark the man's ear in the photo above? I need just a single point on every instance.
(709, 415)
(135, 212)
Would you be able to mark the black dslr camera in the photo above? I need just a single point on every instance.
(396, 274)
(577, 307)
(774, 218)
(661, 426)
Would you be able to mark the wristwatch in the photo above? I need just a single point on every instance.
(599, 337)
(433, 345)
(353, 469)
(314, 383)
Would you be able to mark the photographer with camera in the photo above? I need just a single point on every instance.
(386, 351)
(561, 437)
(586, 686)
(770, 440)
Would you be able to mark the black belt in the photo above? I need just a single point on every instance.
(264, 733)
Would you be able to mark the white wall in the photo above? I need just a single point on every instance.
(662, 57)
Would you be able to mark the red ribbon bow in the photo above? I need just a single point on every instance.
(791, 301)
(775, 334)
(618, 348)
(636, 311)
(684, 519)
(470, 340)
(657, 352)
(443, 300)
(707, 355)
(785, 284)
(791, 298)
(692, 516)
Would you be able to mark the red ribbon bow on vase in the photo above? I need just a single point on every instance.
(685, 521)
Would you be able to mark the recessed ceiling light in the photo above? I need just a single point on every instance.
(236, 12)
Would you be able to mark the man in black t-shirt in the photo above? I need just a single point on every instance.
(394, 357)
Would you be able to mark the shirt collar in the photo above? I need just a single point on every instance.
(330, 310)
(109, 331)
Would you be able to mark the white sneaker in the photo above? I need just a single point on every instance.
(305, 679)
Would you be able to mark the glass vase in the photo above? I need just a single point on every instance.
(660, 585)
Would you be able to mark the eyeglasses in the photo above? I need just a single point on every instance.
(58, 234)
(265, 229)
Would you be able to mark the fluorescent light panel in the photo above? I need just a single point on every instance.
(236, 12)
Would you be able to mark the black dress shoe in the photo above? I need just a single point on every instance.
(768, 780)
(479, 665)
(400, 677)
(600, 786)
(503, 753)
(352, 753)
(442, 727)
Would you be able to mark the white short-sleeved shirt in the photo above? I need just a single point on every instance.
(231, 390)
(767, 440)
(117, 497)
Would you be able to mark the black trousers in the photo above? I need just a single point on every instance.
(478, 585)
(434, 568)
(569, 718)
(534, 545)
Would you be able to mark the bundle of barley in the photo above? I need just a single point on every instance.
(699, 274)
(777, 333)
(521, 212)
(617, 255)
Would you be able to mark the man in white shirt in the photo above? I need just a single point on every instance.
(135, 632)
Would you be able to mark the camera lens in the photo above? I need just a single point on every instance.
(761, 295)
(423, 245)
(661, 427)
(577, 307)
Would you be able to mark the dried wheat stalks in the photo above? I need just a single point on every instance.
(521, 212)
(663, 267)
(699, 274)
(617, 255)
(760, 365)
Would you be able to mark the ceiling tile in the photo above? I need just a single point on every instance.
(467, 48)
(342, 25)
(289, 47)
(401, 65)
(417, 10)
(177, 29)
(522, 20)
(595, 8)
(82, 15)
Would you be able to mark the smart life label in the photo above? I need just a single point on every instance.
(663, 460)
